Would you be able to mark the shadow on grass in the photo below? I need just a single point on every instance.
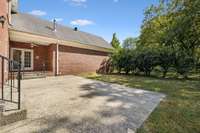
(153, 76)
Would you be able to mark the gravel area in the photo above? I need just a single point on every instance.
(71, 104)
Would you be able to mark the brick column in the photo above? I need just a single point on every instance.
(4, 41)
(52, 58)
(4, 30)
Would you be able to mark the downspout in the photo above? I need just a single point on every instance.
(57, 58)
(57, 49)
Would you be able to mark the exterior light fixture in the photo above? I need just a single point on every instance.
(2, 20)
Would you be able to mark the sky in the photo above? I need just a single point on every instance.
(99, 17)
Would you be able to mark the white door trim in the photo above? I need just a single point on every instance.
(22, 57)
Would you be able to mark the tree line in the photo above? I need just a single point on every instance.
(169, 39)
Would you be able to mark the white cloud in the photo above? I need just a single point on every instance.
(82, 22)
(77, 2)
(38, 13)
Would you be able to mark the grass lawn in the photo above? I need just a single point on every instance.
(178, 113)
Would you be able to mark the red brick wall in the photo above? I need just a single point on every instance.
(4, 34)
(71, 60)
(75, 60)
(40, 54)
(4, 30)
(52, 58)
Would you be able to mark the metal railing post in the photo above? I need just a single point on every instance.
(19, 86)
(12, 78)
(2, 78)
(11, 87)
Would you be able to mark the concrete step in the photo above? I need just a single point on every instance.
(33, 75)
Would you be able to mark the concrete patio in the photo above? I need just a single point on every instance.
(72, 104)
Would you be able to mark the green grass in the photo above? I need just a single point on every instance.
(178, 113)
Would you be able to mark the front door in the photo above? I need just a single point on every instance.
(24, 56)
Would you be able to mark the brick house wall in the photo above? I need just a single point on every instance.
(72, 60)
(40, 54)
(4, 43)
(4, 30)
(76, 60)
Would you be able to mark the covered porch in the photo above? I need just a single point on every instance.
(36, 60)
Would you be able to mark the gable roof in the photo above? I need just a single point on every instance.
(34, 25)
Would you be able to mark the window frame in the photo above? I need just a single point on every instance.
(23, 58)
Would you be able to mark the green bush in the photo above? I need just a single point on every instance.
(166, 59)
(183, 63)
(146, 60)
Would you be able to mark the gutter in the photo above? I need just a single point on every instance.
(57, 47)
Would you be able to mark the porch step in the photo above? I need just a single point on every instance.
(33, 75)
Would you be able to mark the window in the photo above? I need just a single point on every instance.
(24, 56)
(27, 59)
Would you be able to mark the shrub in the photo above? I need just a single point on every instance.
(146, 60)
(166, 59)
(183, 63)
(106, 67)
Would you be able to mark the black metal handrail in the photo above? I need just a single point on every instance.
(11, 77)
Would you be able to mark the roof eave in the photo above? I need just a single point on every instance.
(21, 36)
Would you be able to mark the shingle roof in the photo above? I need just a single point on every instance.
(32, 24)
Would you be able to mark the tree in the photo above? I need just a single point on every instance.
(166, 59)
(170, 37)
(115, 42)
(183, 63)
(117, 59)
(185, 32)
(175, 26)
(129, 60)
(130, 43)
(146, 60)
(174, 23)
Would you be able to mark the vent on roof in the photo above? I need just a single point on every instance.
(75, 29)
(54, 25)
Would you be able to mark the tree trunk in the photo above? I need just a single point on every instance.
(164, 74)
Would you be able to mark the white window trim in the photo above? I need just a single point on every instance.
(24, 50)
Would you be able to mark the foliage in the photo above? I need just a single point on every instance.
(129, 61)
(183, 63)
(146, 60)
(130, 43)
(175, 23)
(166, 59)
(117, 59)
(106, 67)
(115, 42)
(186, 30)
(170, 38)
